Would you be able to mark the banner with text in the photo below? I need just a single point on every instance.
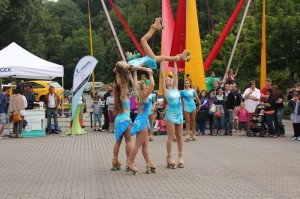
(82, 74)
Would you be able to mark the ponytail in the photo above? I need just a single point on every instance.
(117, 99)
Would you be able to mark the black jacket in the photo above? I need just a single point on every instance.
(292, 104)
(230, 101)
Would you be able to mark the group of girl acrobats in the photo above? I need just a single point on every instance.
(141, 125)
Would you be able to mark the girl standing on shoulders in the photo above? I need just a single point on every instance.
(174, 117)
(141, 125)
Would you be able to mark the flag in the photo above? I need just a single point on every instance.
(82, 74)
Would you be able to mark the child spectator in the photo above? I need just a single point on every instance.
(97, 112)
(162, 124)
(156, 128)
(242, 116)
(295, 115)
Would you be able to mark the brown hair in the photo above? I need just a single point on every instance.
(117, 99)
(122, 74)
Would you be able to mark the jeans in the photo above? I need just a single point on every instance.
(201, 126)
(279, 128)
(211, 122)
(219, 122)
(270, 119)
(228, 121)
(51, 112)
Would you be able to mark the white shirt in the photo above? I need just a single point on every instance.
(251, 104)
(51, 101)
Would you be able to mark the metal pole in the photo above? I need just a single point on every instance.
(113, 30)
(91, 45)
(237, 38)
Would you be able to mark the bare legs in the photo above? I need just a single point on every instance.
(115, 161)
(172, 130)
(151, 118)
(141, 140)
(144, 42)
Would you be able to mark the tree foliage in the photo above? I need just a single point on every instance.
(59, 32)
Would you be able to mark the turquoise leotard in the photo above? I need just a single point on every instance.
(146, 61)
(174, 108)
(122, 120)
(151, 98)
(188, 100)
(141, 120)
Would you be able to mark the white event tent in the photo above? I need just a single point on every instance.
(17, 62)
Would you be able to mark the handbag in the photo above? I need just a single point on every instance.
(16, 117)
(202, 115)
(218, 113)
(212, 109)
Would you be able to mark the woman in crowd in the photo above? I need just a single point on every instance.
(269, 112)
(203, 107)
(122, 121)
(196, 88)
(295, 115)
(17, 103)
(151, 59)
(174, 117)
(189, 107)
(110, 101)
(133, 106)
(252, 97)
(141, 125)
(210, 102)
(279, 110)
(219, 121)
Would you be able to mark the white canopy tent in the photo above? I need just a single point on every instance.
(17, 62)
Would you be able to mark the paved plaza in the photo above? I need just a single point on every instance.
(215, 167)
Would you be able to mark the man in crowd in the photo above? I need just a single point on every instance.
(229, 108)
(211, 80)
(105, 111)
(293, 90)
(30, 97)
(238, 99)
(52, 101)
(263, 90)
(215, 88)
(251, 96)
(3, 109)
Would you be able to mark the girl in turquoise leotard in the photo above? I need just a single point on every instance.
(174, 117)
(151, 59)
(189, 95)
(122, 121)
(141, 124)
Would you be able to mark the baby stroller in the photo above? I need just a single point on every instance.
(258, 126)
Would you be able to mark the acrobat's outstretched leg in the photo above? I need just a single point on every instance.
(144, 40)
(184, 56)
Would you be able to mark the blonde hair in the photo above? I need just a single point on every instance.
(138, 95)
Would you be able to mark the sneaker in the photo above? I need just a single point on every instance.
(294, 138)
